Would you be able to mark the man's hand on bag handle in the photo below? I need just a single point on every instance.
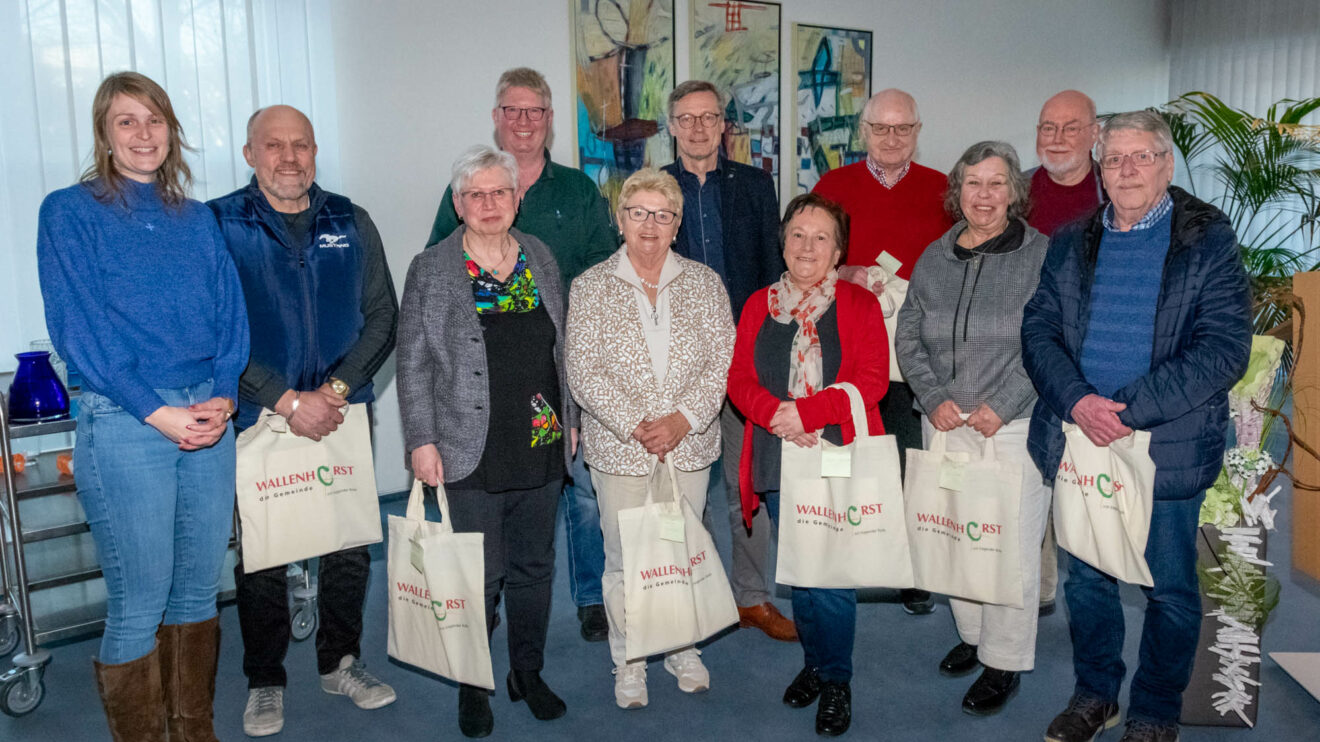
(311, 414)
(1098, 419)
(947, 416)
(984, 420)
(426, 465)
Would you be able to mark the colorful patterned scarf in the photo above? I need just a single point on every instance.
(789, 303)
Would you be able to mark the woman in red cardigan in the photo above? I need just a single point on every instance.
(795, 337)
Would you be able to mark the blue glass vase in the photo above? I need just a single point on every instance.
(36, 394)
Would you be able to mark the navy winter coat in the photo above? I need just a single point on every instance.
(1201, 347)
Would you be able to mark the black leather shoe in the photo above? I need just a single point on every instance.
(543, 702)
(1047, 608)
(917, 602)
(990, 691)
(834, 712)
(595, 626)
(1084, 719)
(474, 716)
(804, 689)
(959, 661)
(1139, 730)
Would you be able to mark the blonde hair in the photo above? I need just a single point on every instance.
(173, 178)
(651, 179)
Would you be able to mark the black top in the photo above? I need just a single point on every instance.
(774, 347)
(525, 438)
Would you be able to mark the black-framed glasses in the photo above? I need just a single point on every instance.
(513, 113)
(707, 119)
(882, 130)
(1141, 158)
(1070, 130)
(640, 213)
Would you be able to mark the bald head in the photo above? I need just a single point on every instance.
(890, 109)
(1065, 136)
(281, 149)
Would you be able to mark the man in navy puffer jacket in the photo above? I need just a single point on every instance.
(1142, 321)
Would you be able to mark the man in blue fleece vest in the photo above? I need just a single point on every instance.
(322, 312)
(1141, 321)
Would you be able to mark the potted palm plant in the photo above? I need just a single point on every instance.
(1264, 173)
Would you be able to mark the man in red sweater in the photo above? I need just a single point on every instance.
(1065, 188)
(896, 209)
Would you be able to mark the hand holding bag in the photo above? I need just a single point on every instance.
(962, 520)
(438, 595)
(299, 498)
(674, 587)
(1102, 503)
(843, 531)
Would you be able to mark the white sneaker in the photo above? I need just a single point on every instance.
(353, 680)
(693, 677)
(264, 713)
(630, 686)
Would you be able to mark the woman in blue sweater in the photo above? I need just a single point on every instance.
(143, 299)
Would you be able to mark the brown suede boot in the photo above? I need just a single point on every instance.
(134, 703)
(188, 656)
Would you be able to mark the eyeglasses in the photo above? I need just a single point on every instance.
(499, 195)
(512, 113)
(1070, 130)
(639, 214)
(882, 130)
(707, 119)
(1143, 158)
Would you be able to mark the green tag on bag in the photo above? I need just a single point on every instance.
(417, 555)
(953, 472)
(671, 528)
(835, 461)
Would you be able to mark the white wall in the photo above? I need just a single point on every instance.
(415, 81)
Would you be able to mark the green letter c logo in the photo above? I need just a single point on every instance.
(970, 525)
(852, 509)
(322, 474)
(1100, 485)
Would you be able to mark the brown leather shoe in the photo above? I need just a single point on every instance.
(767, 618)
(133, 700)
(189, 654)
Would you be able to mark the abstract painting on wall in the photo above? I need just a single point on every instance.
(624, 60)
(833, 67)
(735, 45)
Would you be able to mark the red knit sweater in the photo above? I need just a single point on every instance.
(902, 220)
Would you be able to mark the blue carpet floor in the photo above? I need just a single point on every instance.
(897, 692)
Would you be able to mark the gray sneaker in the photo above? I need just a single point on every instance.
(1139, 730)
(264, 713)
(362, 688)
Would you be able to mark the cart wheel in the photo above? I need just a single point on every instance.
(8, 634)
(22, 692)
(304, 621)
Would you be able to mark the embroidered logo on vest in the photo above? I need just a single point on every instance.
(332, 240)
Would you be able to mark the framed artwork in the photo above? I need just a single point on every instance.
(623, 54)
(735, 45)
(833, 68)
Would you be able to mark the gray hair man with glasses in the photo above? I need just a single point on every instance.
(563, 208)
(1141, 321)
(896, 209)
(731, 225)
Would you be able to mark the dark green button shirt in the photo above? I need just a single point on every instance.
(564, 209)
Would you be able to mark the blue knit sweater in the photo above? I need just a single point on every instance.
(1128, 273)
(140, 296)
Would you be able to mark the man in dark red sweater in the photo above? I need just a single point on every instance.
(1065, 188)
(896, 209)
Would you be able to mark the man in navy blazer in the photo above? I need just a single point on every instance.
(730, 224)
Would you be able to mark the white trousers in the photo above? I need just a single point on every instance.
(1005, 637)
(617, 492)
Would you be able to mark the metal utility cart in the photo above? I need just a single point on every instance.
(54, 515)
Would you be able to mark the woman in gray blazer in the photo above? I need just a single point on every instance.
(486, 408)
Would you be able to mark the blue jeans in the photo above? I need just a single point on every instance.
(586, 545)
(161, 519)
(826, 620)
(1171, 628)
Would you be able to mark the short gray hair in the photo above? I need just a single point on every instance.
(476, 159)
(1019, 185)
(684, 89)
(1147, 121)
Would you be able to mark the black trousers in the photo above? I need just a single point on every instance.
(263, 615)
(519, 527)
(901, 420)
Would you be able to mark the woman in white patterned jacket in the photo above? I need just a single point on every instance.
(650, 337)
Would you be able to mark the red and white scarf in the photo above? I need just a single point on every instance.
(789, 303)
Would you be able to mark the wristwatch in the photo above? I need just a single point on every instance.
(339, 387)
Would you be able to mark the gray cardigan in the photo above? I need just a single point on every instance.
(983, 298)
(444, 397)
